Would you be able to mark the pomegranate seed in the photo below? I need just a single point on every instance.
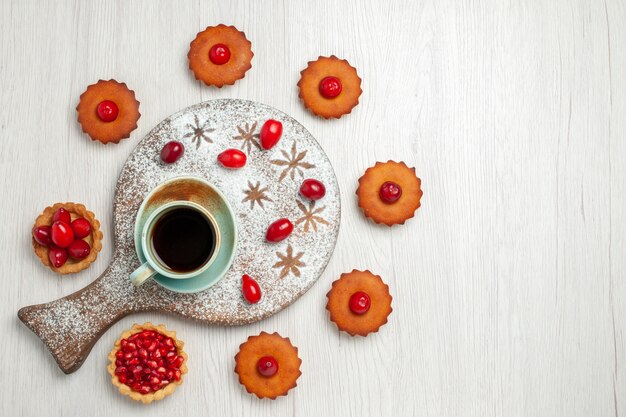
(390, 192)
(79, 249)
(107, 111)
(57, 256)
(119, 362)
(152, 364)
(62, 234)
(133, 361)
(43, 235)
(170, 356)
(154, 380)
(161, 370)
(270, 133)
(250, 289)
(119, 354)
(312, 189)
(146, 371)
(360, 302)
(142, 353)
(164, 382)
(133, 337)
(81, 228)
(267, 366)
(130, 346)
(156, 354)
(172, 151)
(145, 389)
(169, 374)
(122, 379)
(330, 87)
(62, 215)
(120, 370)
(219, 54)
(147, 334)
(169, 342)
(152, 346)
(178, 361)
(279, 230)
(232, 158)
(177, 375)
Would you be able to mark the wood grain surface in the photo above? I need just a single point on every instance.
(508, 285)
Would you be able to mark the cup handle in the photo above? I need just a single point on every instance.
(142, 274)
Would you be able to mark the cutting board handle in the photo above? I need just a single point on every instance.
(70, 326)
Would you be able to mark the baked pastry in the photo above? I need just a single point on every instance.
(329, 87)
(108, 111)
(82, 246)
(389, 192)
(359, 302)
(147, 362)
(220, 55)
(268, 365)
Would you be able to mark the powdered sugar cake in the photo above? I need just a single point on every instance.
(264, 190)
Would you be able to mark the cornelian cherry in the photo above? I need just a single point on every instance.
(107, 111)
(267, 366)
(270, 133)
(330, 87)
(62, 234)
(232, 158)
(279, 230)
(219, 54)
(81, 228)
(57, 256)
(172, 151)
(312, 189)
(62, 215)
(360, 302)
(43, 235)
(78, 249)
(250, 289)
(390, 192)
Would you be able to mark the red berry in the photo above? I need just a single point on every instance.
(62, 215)
(172, 151)
(360, 302)
(107, 111)
(232, 158)
(312, 189)
(267, 366)
(390, 192)
(57, 256)
(62, 234)
(330, 87)
(42, 235)
(279, 230)
(81, 228)
(250, 289)
(270, 133)
(79, 249)
(219, 54)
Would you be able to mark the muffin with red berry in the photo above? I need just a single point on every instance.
(67, 237)
(147, 363)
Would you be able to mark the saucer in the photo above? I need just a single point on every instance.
(189, 188)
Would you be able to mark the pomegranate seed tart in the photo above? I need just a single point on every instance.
(359, 303)
(268, 365)
(67, 237)
(147, 362)
(108, 111)
(389, 192)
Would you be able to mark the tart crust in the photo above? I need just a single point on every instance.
(218, 75)
(288, 365)
(152, 396)
(324, 67)
(94, 239)
(118, 129)
(339, 302)
(369, 187)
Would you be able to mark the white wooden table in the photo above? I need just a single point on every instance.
(508, 285)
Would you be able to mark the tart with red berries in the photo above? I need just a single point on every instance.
(359, 303)
(329, 87)
(147, 363)
(389, 192)
(67, 237)
(108, 111)
(220, 55)
(268, 365)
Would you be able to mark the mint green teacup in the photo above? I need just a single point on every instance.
(180, 240)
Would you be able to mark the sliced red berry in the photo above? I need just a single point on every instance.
(81, 228)
(79, 249)
(172, 151)
(250, 289)
(219, 54)
(43, 235)
(62, 234)
(270, 134)
(279, 230)
(312, 189)
(62, 215)
(57, 256)
(330, 87)
(360, 302)
(267, 366)
(390, 192)
(232, 158)
(107, 111)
